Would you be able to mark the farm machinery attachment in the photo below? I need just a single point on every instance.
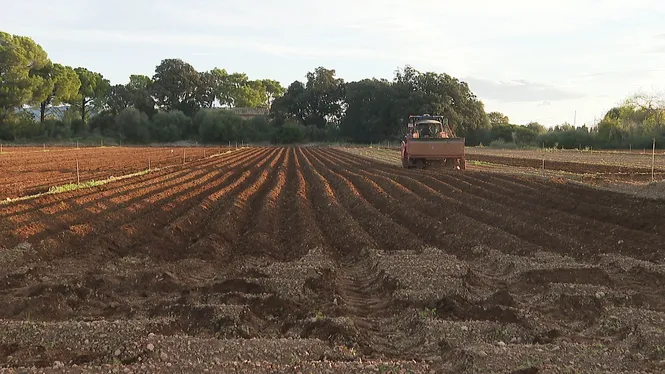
(429, 140)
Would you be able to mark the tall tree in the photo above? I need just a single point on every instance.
(62, 87)
(368, 112)
(233, 87)
(498, 118)
(292, 105)
(653, 107)
(138, 89)
(21, 60)
(273, 90)
(252, 94)
(208, 88)
(325, 94)
(117, 99)
(93, 89)
(176, 85)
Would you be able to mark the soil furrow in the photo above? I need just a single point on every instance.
(604, 237)
(563, 202)
(491, 227)
(256, 210)
(386, 232)
(63, 206)
(30, 173)
(402, 205)
(535, 231)
(335, 222)
(175, 227)
(299, 218)
(117, 231)
(221, 232)
(185, 228)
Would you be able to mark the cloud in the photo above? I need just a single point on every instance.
(519, 91)
(201, 40)
(625, 74)
(656, 50)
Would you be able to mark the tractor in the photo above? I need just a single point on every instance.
(431, 139)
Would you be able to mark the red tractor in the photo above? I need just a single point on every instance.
(430, 139)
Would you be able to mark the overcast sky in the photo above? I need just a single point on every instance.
(532, 60)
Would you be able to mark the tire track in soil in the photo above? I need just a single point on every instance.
(361, 286)
(470, 226)
(131, 215)
(103, 200)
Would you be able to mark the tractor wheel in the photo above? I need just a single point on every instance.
(462, 164)
(405, 162)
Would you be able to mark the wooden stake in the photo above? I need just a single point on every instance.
(148, 163)
(78, 175)
(183, 156)
(653, 160)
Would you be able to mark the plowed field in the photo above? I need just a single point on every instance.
(316, 260)
(28, 171)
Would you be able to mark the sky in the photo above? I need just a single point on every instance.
(546, 61)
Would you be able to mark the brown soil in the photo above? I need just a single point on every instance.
(598, 171)
(29, 171)
(317, 260)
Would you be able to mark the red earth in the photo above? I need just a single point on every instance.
(31, 170)
(316, 260)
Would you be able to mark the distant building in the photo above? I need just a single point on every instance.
(248, 113)
(56, 112)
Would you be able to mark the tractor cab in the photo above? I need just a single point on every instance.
(422, 127)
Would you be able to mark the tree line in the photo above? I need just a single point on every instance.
(634, 123)
(180, 103)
